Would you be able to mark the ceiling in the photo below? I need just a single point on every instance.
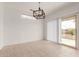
(24, 7)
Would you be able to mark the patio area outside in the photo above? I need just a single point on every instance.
(68, 32)
(68, 42)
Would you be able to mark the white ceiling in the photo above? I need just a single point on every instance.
(24, 7)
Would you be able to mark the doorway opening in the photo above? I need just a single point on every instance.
(68, 31)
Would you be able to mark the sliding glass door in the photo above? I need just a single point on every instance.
(68, 31)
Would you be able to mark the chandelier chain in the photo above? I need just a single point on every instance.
(39, 4)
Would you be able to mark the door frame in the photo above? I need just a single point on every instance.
(59, 30)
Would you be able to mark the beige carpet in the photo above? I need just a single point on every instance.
(38, 49)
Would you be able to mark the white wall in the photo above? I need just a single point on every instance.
(52, 31)
(19, 30)
(77, 31)
(1, 25)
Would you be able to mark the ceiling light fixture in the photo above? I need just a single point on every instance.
(39, 14)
